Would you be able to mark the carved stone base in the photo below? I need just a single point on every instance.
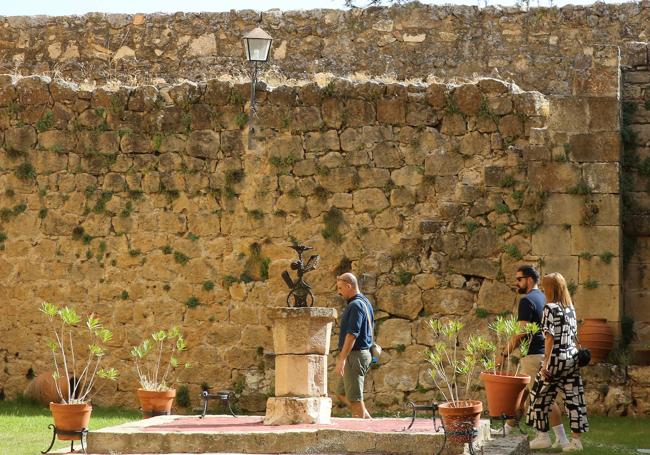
(291, 410)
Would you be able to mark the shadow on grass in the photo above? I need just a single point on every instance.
(23, 407)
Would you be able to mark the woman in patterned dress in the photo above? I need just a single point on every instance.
(559, 370)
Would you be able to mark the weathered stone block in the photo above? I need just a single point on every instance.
(493, 175)
(20, 139)
(563, 209)
(569, 114)
(396, 375)
(602, 177)
(306, 119)
(467, 98)
(453, 125)
(33, 90)
(598, 270)
(595, 239)
(386, 155)
(492, 86)
(7, 90)
(496, 297)
(407, 176)
(391, 111)
(511, 126)
(552, 240)
(300, 375)
(58, 141)
(634, 53)
(371, 199)
(443, 162)
(609, 209)
(602, 302)
(436, 95)
(204, 144)
(483, 243)
(291, 410)
(487, 268)
(359, 113)
(400, 301)
(553, 177)
(595, 147)
(339, 179)
(475, 143)
(448, 301)
(317, 141)
(301, 330)
(567, 265)
(400, 197)
(332, 111)
(604, 114)
(393, 333)
(104, 142)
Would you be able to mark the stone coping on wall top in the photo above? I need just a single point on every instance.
(269, 82)
(302, 313)
(272, 15)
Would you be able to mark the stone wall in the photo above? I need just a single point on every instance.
(546, 49)
(144, 205)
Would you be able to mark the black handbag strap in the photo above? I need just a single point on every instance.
(573, 332)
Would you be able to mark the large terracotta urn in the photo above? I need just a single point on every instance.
(598, 337)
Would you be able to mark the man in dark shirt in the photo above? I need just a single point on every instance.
(355, 339)
(531, 307)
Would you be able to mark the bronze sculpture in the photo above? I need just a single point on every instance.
(300, 290)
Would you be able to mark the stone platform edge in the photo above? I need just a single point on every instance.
(130, 438)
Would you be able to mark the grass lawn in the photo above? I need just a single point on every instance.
(610, 436)
(23, 426)
(23, 430)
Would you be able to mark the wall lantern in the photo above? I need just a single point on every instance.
(257, 45)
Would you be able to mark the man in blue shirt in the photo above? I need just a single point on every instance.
(355, 339)
(530, 309)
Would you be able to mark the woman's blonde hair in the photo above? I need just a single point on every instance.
(555, 289)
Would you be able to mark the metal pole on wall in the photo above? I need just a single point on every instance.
(252, 112)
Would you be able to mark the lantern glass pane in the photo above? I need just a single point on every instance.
(257, 50)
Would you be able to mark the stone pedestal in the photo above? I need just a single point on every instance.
(301, 340)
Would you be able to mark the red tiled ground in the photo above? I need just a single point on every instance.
(254, 424)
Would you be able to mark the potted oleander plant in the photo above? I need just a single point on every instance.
(504, 385)
(158, 365)
(78, 351)
(454, 369)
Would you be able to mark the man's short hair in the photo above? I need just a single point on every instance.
(348, 278)
(529, 272)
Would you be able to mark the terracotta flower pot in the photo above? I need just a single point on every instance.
(156, 403)
(70, 417)
(596, 335)
(461, 419)
(504, 392)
